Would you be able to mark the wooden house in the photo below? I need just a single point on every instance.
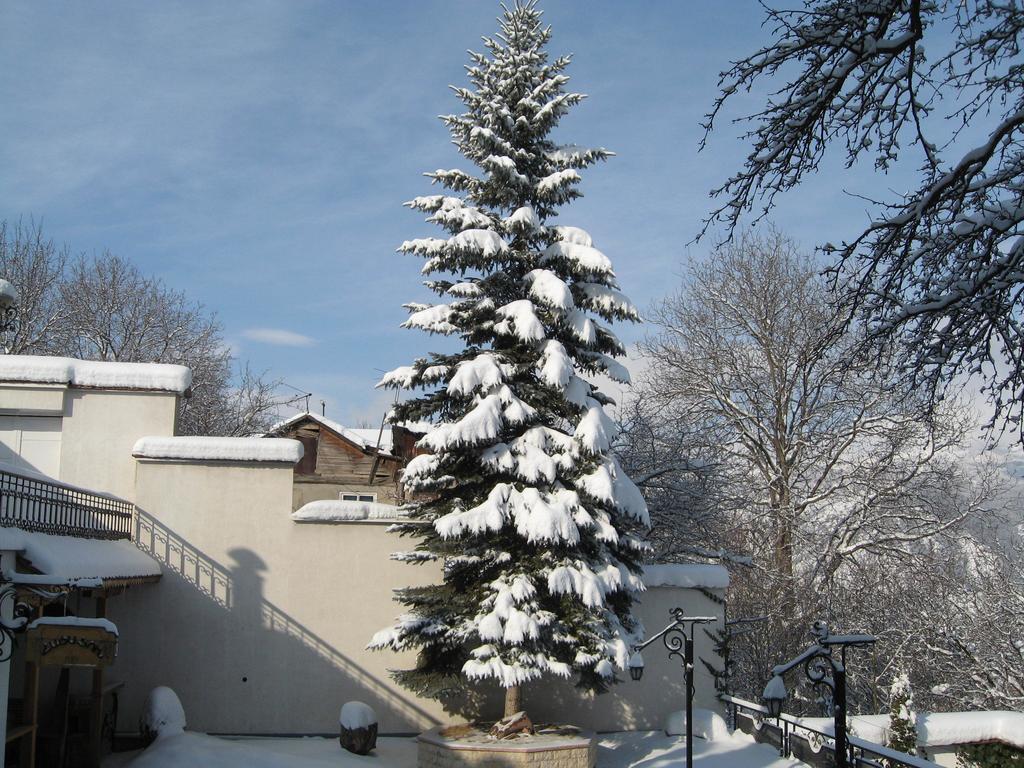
(347, 464)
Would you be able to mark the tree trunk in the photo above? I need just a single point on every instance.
(513, 700)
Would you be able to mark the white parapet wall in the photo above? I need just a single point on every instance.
(77, 420)
(260, 621)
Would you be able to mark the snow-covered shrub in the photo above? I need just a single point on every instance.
(162, 714)
(902, 731)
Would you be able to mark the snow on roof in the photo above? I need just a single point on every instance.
(364, 438)
(69, 557)
(74, 621)
(41, 369)
(368, 437)
(938, 729)
(686, 575)
(332, 511)
(219, 448)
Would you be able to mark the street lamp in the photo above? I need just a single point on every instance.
(677, 635)
(636, 665)
(8, 306)
(817, 660)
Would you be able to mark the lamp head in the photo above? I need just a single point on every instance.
(636, 666)
(774, 694)
(8, 295)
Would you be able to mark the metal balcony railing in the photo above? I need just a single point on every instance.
(815, 747)
(36, 504)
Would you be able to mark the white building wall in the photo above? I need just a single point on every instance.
(260, 623)
(81, 436)
(99, 429)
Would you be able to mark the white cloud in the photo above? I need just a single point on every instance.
(278, 337)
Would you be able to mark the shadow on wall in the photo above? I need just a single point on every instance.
(251, 667)
(241, 664)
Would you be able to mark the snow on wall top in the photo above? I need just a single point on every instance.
(687, 575)
(938, 729)
(41, 369)
(334, 511)
(942, 728)
(219, 448)
(70, 557)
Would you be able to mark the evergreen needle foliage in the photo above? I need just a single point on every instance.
(902, 732)
(538, 528)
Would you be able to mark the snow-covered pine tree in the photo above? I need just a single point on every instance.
(539, 530)
(902, 731)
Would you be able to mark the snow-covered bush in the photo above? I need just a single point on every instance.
(902, 729)
(162, 714)
(537, 525)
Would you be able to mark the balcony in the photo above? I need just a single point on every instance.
(35, 503)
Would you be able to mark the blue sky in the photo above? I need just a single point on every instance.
(257, 155)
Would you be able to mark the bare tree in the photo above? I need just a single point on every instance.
(825, 460)
(36, 267)
(679, 477)
(949, 610)
(940, 267)
(104, 308)
(238, 404)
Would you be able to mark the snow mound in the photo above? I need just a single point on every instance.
(219, 448)
(686, 575)
(707, 725)
(355, 714)
(162, 714)
(42, 369)
(332, 511)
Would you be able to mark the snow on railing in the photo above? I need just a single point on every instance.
(794, 738)
(34, 503)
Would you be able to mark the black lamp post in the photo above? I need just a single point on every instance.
(818, 661)
(8, 308)
(677, 635)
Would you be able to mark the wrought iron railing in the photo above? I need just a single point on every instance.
(35, 504)
(794, 738)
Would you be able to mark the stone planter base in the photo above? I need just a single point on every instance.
(476, 750)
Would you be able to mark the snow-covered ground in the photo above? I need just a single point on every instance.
(647, 749)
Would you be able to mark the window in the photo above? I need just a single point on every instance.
(370, 497)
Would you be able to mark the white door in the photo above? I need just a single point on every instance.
(31, 442)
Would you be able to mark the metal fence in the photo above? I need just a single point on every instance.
(35, 504)
(815, 747)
